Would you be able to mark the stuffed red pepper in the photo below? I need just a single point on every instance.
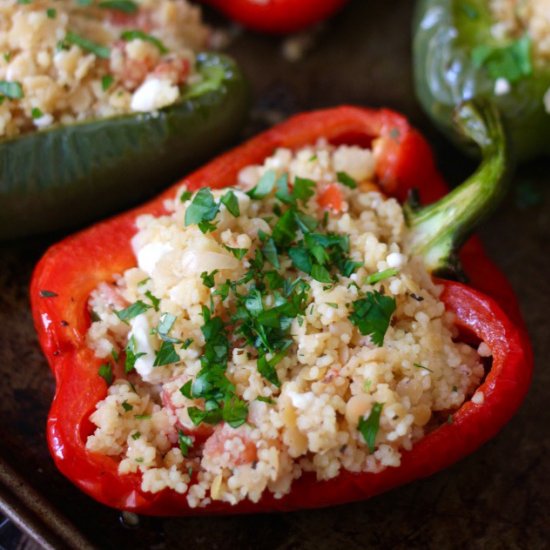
(268, 334)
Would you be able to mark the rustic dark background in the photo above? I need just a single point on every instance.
(497, 498)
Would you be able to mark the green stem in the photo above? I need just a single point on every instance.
(437, 231)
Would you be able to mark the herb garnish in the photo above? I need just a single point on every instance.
(202, 210)
(372, 315)
(369, 427)
(230, 201)
(133, 310)
(100, 51)
(374, 278)
(418, 366)
(346, 179)
(12, 90)
(166, 354)
(140, 35)
(132, 355)
(106, 372)
(125, 6)
(511, 62)
(185, 443)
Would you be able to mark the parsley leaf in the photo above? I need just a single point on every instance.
(264, 186)
(185, 196)
(203, 208)
(511, 62)
(239, 253)
(300, 259)
(103, 52)
(136, 34)
(208, 278)
(166, 322)
(166, 354)
(369, 427)
(106, 81)
(124, 6)
(230, 201)
(185, 443)
(372, 315)
(374, 278)
(154, 300)
(346, 179)
(137, 308)
(106, 372)
(320, 273)
(131, 355)
(13, 90)
(304, 189)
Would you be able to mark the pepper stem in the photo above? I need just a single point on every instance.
(438, 230)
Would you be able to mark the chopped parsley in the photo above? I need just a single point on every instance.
(418, 366)
(239, 253)
(369, 427)
(136, 435)
(202, 210)
(132, 355)
(36, 113)
(346, 179)
(137, 308)
(154, 300)
(51, 13)
(142, 416)
(126, 406)
(124, 6)
(166, 354)
(107, 81)
(106, 372)
(185, 196)
(264, 187)
(267, 400)
(374, 278)
(208, 278)
(185, 443)
(11, 90)
(372, 315)
(166, 322)
(140, 35)
(100, 51)
(230, 201)
(512, 62)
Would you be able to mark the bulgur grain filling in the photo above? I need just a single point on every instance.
(524, 25)
(271, 329)
(65, 61)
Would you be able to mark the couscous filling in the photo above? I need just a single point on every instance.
(274, 328)
(524, 26)
(63, 61)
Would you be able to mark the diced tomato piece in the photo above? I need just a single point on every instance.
(330, 198)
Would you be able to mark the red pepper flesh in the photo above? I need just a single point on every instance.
(70, 270)
(277, 16)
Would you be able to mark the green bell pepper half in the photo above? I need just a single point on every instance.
(456, 58)
(70, 175)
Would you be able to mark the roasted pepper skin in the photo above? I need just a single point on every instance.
(71, 269)
(277, 16)
(445, 31)
(74, 174)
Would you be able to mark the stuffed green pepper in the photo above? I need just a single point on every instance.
(499, 49)
(103, 102)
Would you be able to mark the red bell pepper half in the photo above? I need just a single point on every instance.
(277, 16)
(485, 309)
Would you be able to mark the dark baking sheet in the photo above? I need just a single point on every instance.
(497, 498)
